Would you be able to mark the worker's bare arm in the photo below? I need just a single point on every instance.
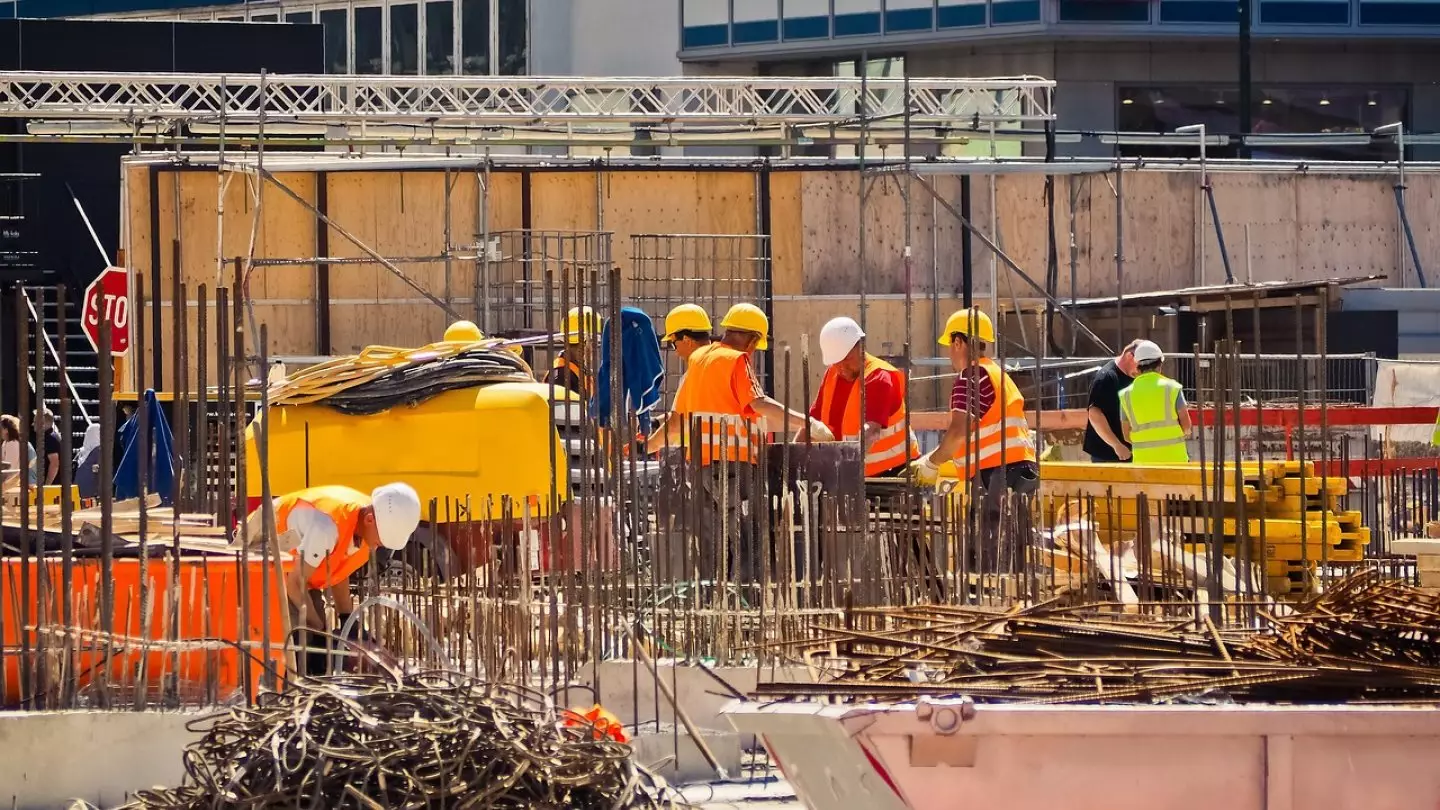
(1102, 429)
(299, 595)
(1183, 409)
(776, 413)
(344, 602)
(953, 439)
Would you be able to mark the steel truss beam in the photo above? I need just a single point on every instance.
(572, 105)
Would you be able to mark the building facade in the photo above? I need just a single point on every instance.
(436, 37)
(1326, 67)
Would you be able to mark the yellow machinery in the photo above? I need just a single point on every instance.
(462, 422)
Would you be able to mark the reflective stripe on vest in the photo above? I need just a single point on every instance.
(1003, 435)
(1150, 406)
(888, 448)
(342, 505)
(715, 422)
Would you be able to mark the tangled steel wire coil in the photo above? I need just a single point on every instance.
(378, 742)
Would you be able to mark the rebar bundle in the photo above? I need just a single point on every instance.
(378, 742)
(1368, 640)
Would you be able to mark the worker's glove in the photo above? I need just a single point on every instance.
(820, 433)
(923, 472)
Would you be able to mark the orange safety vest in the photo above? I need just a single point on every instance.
(564, 362)
(887, 448)
(342, 505)
(1003, 427)
(715, 419)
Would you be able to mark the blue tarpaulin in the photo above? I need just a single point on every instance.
(159, 444)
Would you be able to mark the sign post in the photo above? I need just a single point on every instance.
(107, 304)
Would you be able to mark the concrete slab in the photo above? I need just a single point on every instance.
(48, 759)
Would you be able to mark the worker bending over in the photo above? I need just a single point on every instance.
(1157, 419)
(338, 528)
(837, 404)
(720, 415)
(570, 370)
(988, 437)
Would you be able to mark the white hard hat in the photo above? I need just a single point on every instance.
(397, 514)
(1147, 351)
(837, 337)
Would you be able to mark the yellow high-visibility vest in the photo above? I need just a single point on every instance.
(1151, 406)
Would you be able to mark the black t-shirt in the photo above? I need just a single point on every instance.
(52, 445)
(1105, 395)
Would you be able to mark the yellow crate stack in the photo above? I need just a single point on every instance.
(1293, 517)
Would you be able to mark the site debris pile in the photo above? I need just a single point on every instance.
(1368, 640)
(426, 740)
(1283, 517)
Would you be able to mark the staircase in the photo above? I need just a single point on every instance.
(81, 370)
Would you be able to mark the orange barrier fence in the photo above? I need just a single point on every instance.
(204, 654)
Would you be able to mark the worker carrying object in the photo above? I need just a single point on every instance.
(988, 437)
(334, 530)
(718, 415)
(837, 404)
(570, 370)
(1156, 417)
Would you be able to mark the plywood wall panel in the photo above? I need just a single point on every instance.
(353, 200)
(1347, 227)
(787, 233)
(564, 202)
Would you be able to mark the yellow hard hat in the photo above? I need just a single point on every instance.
(749, 318)
(686, 318)
(971, 322)
(580, 323)
(463, 332)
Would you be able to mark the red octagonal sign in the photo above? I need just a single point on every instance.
(107, 302)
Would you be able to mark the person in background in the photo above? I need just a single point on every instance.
(1157, 419)
(1103, 440)
(10, 449)
(581, 325)
(50, 452)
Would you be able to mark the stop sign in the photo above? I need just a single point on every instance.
(107, 303)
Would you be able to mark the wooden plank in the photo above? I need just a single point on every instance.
(787, 233)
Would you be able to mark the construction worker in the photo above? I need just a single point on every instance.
(1157, 420)
(837, 404)
(687, 328)
(988, 437)
(717, 418)
(570, 370)
(334, 530)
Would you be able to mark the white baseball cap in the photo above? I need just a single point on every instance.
(397, 514)
(1147, 351)
(837, 337)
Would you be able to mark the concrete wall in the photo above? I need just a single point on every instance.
(48, 759)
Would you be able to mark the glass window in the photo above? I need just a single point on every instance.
(337, 40)
(475, 37)
(514, 39)
(1316, 110)
(369, 44)
(264, 18)
(298, 17)
(229, 19)
(440, 38)
(404, 39)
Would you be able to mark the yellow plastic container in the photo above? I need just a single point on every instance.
(482, 443)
